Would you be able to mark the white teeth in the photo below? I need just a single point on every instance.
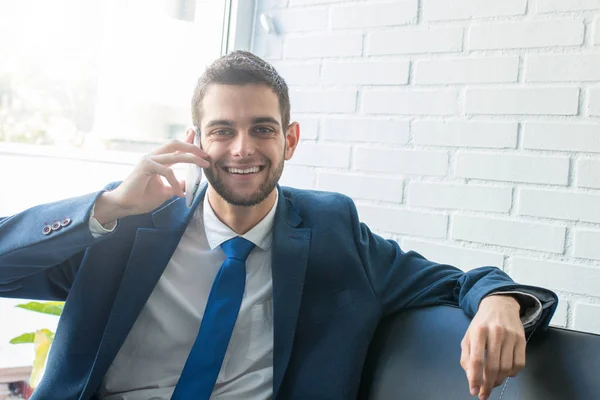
(243, 171)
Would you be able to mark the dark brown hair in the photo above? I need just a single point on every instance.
(241, 68)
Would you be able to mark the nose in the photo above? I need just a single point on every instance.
(242, 145)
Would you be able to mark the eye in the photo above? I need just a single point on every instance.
(264, 130)
(221, 132)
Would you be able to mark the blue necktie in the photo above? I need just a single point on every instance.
(204, 362)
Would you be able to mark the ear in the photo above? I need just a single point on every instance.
(292, 137)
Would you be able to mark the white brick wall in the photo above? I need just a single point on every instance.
(511, 167)
(594, 108)
(466, 197)
(444, 10)
(467, 70)
(588, 173)
(466, 134)
(510, 233)
(547, 6)
(586, 244)
(467, 130)
(372, 15)
(526, 34)
(530, 101)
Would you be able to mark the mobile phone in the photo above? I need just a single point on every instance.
(194, 175)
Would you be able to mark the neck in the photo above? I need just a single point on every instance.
(240, 218)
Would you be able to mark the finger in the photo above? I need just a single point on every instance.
(175, 145)
(492, 361)
(465, 354)
(189, 135)
(159, 169)
(176, 158)
(519, 357)
(507, 355)
(182, 185)
(477, 353)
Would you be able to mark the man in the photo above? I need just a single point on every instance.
(165, 300)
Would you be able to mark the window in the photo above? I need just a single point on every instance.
(86, 86)
(102, 74)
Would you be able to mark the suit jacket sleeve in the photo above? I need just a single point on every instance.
(38, 266)
(406, 279)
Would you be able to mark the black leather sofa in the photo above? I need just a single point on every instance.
(415, 356)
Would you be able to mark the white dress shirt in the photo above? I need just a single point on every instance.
(154, 353)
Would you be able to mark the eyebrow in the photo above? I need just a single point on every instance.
(255, 120)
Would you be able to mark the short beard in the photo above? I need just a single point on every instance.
(264, 190)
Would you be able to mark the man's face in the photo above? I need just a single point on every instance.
(241, 131)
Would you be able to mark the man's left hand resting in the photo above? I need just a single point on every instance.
(494, 346)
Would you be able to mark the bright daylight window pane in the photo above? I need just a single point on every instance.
(79, 78)
(113, 74)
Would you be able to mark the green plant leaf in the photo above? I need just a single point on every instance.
(24, 338)
(42, 341)
(49, 307)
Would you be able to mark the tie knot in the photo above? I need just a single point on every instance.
(238, 248)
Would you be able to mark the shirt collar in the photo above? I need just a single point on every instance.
(217, 232)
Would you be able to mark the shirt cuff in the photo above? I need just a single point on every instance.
(531, 307)
(97, 229)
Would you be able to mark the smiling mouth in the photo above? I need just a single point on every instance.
(244, 171)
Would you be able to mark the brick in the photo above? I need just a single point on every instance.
(298, 177)
(414, 41)
(467, 70)
(585, 244)
(587, 318)
(548, 6)
(309, 126)
(509, 233)
(366, 72)
(462, 197)
(445, 10)
(560, 316)
(466, 134)
(411, 162)
(414, 102)
(523, 101)
(526, 35)
(299, 19)
(361, 129)
(404, 222)
(326, 45)
(560, 205)
(323, 101)
(513, 168)
(594, 106)
(562, 136)
(460, 257)
(268, 47)
(362, 187)
(374, 14)
(322, 155)
(597, 32)
(557, 276)
(588, 173)
(298, 74)
(562, 68)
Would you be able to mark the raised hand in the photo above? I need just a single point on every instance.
(144, 190)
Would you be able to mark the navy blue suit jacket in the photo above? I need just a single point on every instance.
(333, 281)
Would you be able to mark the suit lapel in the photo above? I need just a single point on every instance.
(289, 260)
(151, 252)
